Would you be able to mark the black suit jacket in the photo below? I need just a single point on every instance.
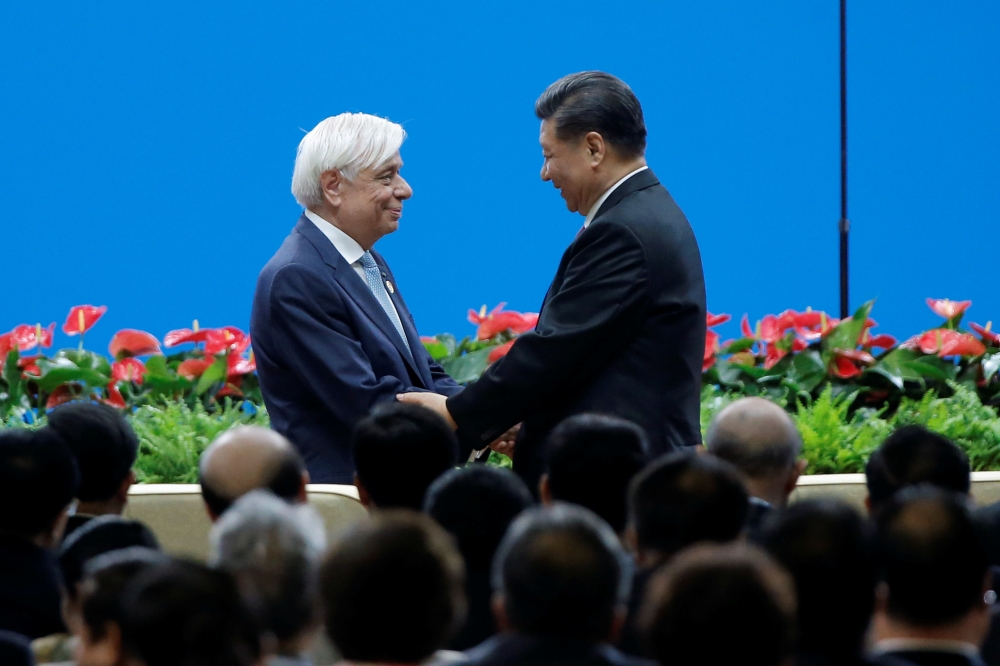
(511, 649)
(621, 332)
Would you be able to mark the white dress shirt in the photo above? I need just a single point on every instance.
(346, 246)
(604, 197)
(924, 645)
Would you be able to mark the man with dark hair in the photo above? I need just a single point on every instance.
(912, 455)
(186, 613)
(829, 550)
(105, 448)
(561, 579)
(398, 452)
(759, 439)
(622, 328)
(392, 589)
(932, 608)
(38, 481)
(247, 458)
(717, 604)
(476, 504)
(679, 500)
(591, 459)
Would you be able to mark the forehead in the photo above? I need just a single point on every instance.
(546, 134)
(394, 162)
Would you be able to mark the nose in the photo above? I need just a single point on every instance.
(403, 190)
(545, 172)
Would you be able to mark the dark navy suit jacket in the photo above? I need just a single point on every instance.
(327, 352)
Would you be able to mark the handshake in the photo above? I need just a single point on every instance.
(437, 403)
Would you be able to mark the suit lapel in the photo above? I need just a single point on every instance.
(412, 335)
(356, 289)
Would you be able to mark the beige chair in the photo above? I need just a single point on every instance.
(177, 516)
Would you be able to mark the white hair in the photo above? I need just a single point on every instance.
(349, 143)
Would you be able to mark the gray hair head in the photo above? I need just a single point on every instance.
(755, 435)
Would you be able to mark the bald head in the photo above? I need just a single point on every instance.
(760, 439)
(247, 458)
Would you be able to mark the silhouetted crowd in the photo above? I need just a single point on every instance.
(690, 559)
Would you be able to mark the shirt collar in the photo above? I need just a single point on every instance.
(925, 645)
(592, 213)
(347, 246)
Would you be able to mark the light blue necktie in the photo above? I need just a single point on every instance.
(373, 276)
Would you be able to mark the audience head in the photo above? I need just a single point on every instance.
(759, 438)
(590, 461)
(561, 572)
(716, 604)
(105, 578)
(38, 481)
(829, 550)
(248, 458)
(476, 505)
(392, 589)
(934, 565)
(186, 613)
(274, 549)
(399, 450)
(681, 499)
(912, 455)
(105, 448)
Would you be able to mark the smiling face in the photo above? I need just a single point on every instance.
(370, 206)
(570, 166)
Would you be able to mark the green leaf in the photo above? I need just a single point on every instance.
(60, 369)
(845, 335)
(736, 346)
(213, 374)
(895, 366)
(437, 349)
(467, 367)
(807, 370)
(156, 366)
(931, 366)
(991, 363)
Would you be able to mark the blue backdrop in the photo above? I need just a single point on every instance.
(146, 152)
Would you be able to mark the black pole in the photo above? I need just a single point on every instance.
(844, 225)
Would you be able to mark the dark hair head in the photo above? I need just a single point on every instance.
(15, 650)
(717, 604)
(683, 498)
(562, 573)
(590, 461)
(38, 480)
(476, 505)
(392, 588)
(98, 536)
(104, 580)
(399, 450)
(913, 455)
(595, 102)
(186, 613)
(933, 559)
(103, 443)
(755, 435)
(829, 551)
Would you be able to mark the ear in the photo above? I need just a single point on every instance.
(212, 516)
(302, 497)
(544, 491)
(121, 495)
(868, 504)
(499, 609)
(331, 183)
(793, 477)
(108, 649)
(594, 143)
(617, 623)
(363, 497)
(58, 528)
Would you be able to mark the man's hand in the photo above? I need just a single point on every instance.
(432, 401)
(505, 443)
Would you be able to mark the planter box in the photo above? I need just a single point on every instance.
(851, 488)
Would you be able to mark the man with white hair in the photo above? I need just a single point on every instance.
(331, 332)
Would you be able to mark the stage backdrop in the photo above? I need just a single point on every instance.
(146, 151)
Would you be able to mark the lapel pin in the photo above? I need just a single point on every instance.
(388, 285)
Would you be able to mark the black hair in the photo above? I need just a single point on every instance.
(829, 550)
(103, 443)
(185, 613)
(717, 604)
(97, 536)
(286, 483)
(595, 102)
(683, 498)
(392, 589)
(913, 455)
(38, 480)
(591, 460)
(15, 649)
(563, 573)
(399, 450)
(476, 505)
(104, 580)
(932, 555)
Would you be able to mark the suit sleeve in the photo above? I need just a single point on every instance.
(601, 300)
(319, 346)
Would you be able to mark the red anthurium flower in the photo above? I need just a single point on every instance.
(64, 393)
(227, 338)
(193, 368)
(129, 370)
(238, 366)
(774, 354)
(6, 344)
(772, 327)
(882, 341)
(182, 335)
(714, 320)
(711, 348)
(28, 337)
(499, 320)
(499, 352)
(29, 366)
(961, 344)
(946, 308)
(844, 368)
(130, 342)
(231, 388)
(809, 318)
(855, 355)
(745, 328)
(812, 325)
(114, 398)
(989, 336)
(81, 318)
